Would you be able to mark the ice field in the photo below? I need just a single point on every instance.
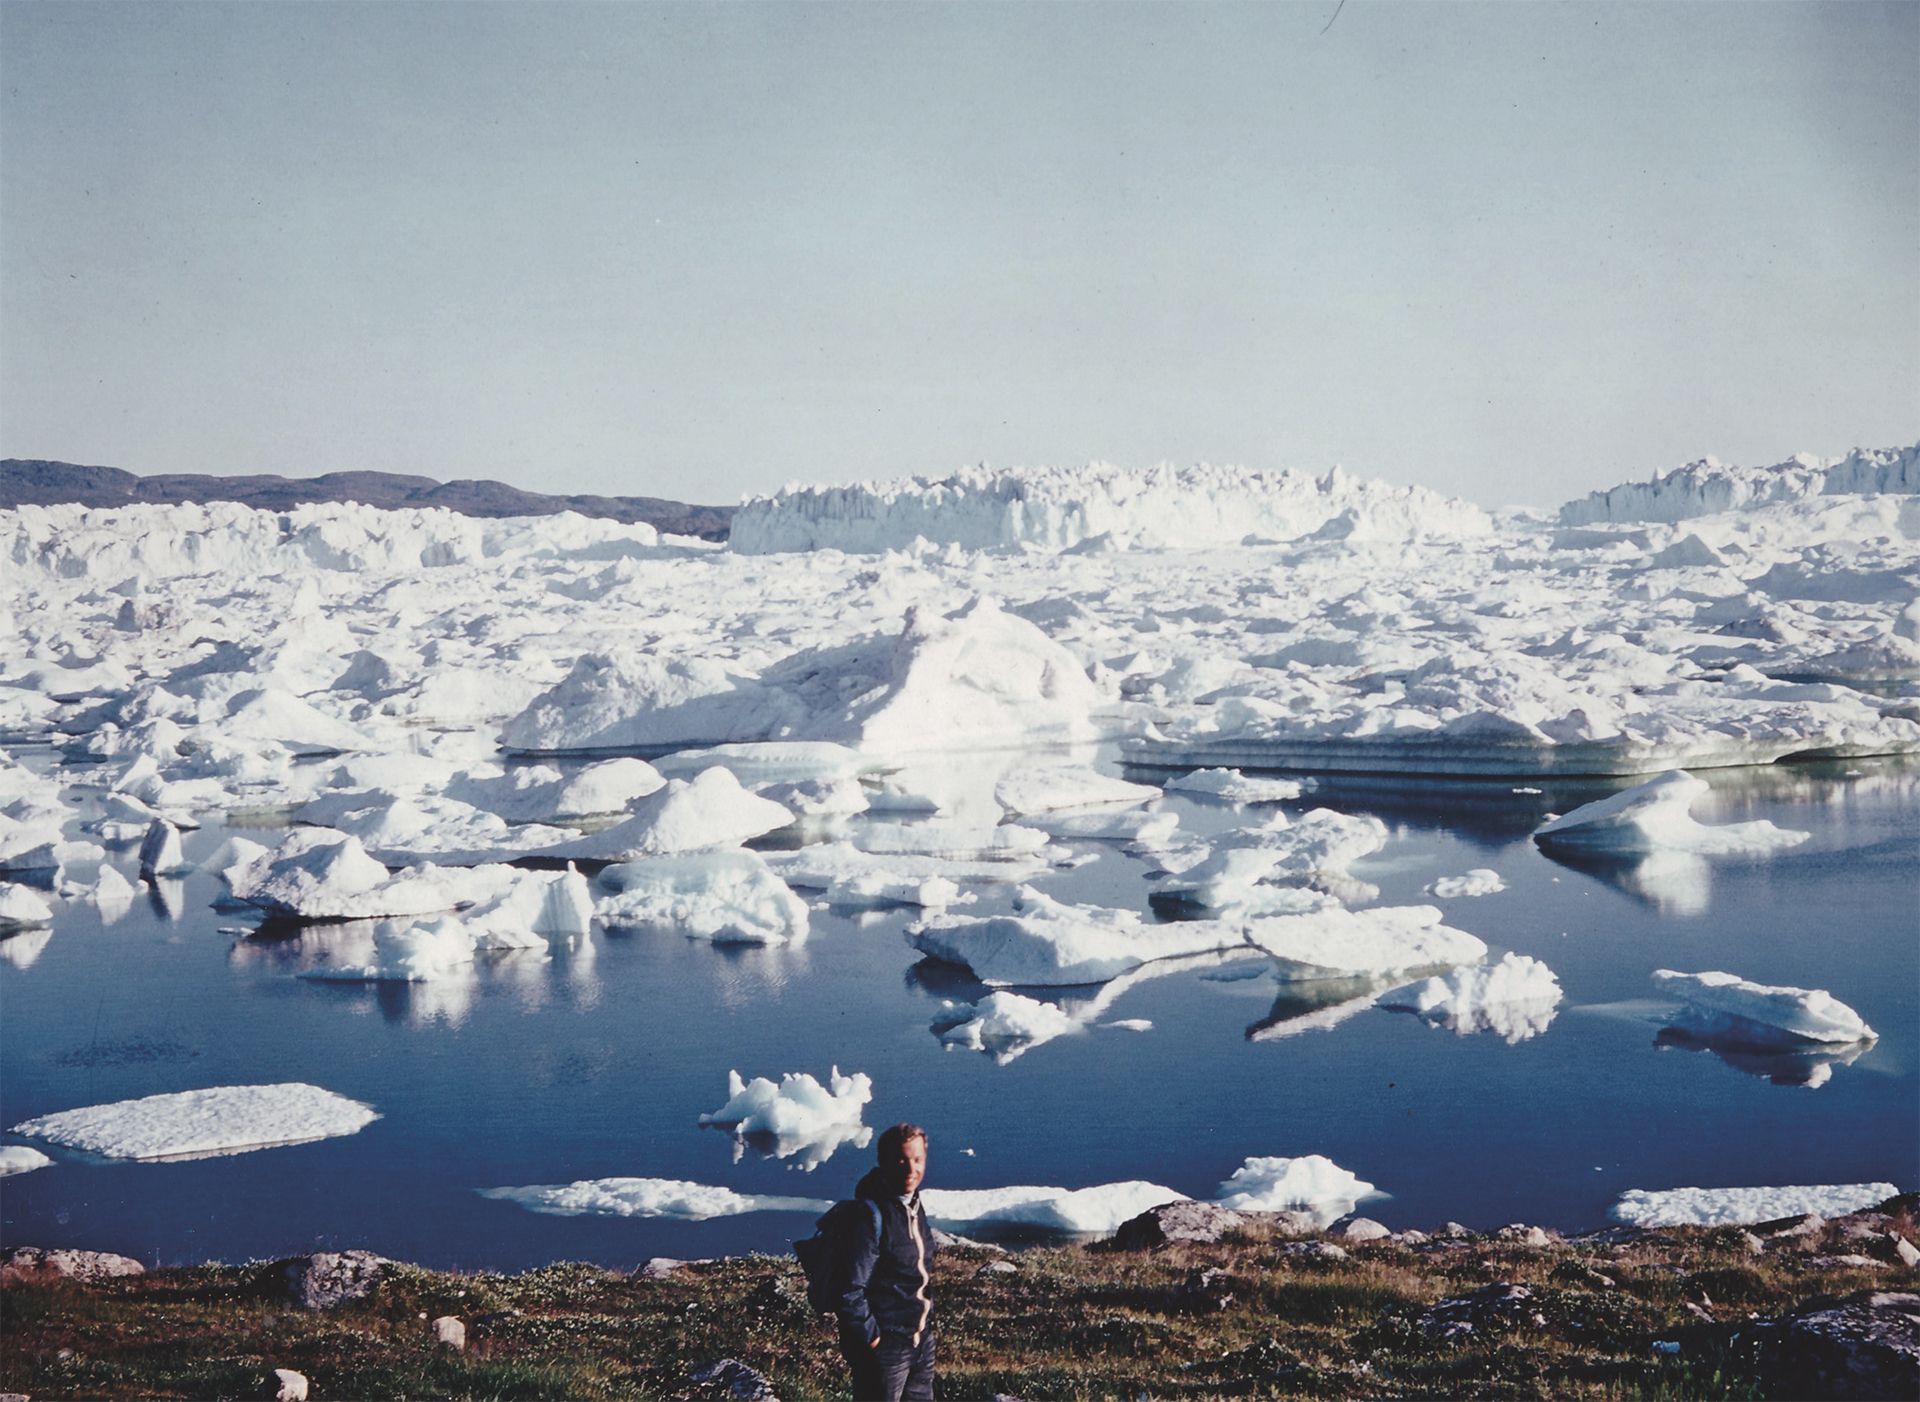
(485, 892)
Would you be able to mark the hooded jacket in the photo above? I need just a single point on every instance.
(888, 1266)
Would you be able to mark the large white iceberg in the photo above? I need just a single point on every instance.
(1514, 999)
(1655, 817)
(1311, 1183)
(1005, 1025)
(1719, 1207)
(408, 951)
(1725, 1007)
(198, 1123)
(1048, 942)
(730, 897)
(797, 1116)
(1708, 487)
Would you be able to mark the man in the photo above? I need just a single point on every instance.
(886, 1314)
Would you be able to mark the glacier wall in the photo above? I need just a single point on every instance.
(1707, 487)
(1061, 507)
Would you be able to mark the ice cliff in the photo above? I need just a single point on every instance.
(1707, 487)
(1061, 507)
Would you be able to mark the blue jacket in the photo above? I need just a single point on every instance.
(888, 1267)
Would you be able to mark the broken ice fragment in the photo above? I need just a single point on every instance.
(1726, 1008)
(199, 1123)
(1654, 817)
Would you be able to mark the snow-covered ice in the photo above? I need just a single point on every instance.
(21, 907)
(688, 815)
(1726, 1008)
(1044, 941)
(799, 1115)
(1004, 1025)
(1340, 943)
(1074, 1211)
(1514, 998)
(20, 1158)
(197, 1123)
(647, 1197)
(1481, 881)
(1655, 817)
(1720, 1207)
(1234, 787)
(1047, 787)
(1310, 1183)
(408, 951)
(727, 896)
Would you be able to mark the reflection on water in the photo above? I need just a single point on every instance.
(1318, 1006)
(808, 1151)
(1811, 1067)
(168, 897)
(1676, 884)
(21, 948)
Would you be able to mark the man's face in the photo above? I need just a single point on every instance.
(908, 1166)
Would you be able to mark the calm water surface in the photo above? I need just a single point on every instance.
(537, 1071)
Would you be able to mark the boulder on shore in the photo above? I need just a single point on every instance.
(36, 1264)
(330, 1278)
(1865, 1345)
(1176, 1221)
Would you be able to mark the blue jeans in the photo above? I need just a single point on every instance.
(896, 1371)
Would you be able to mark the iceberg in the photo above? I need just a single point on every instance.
(1045, 788)
(1231, 786)
(1654, 817)
(709, 810)
(1005, 1025)
(202, 1123)
(852, 877)
(408, 952)
(951, 841)
(729, 897)
(19, 1158)
(1343, 943)
(1481, 881)
(542, 794)
(1045, 942)
(1722, 1207)
(647, 1197)
(1319, 844)
(1515, 999)
(1708, 487)
(797, 1116)
(21, 908)
(1072, 1211)
(1311, 1183)
(1725, 1008)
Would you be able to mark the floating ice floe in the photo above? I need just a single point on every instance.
(319, 874)
(1341, 943)
(797, 1116)
(1720, 1207)
(112, 894)
(1515, 998)
(772, 762)
(1725, 1008)
(1232, 786)
(852, 877)
(199, 1123)
(1654, 817)
(1481, 881)
(1311, 1183)
(1046, 788)
(1318, 845)
(1072, 1211)
(1148, 832)
(1004, 1025)
(647, 1197)
(1047, 942)
(729, 897)
(29, 846)
(950, 841)
(408, 951)
(541, 794)
(19, 1158)
(709, 810)
(160, 853)
(21, 908)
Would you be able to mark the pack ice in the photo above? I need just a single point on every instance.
(1726, 1008)
(1719, 1207)
(199, 1123)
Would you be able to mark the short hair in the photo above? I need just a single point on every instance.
(894, 1138)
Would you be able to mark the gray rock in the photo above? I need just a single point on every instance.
(1176, 1221)
(1312, 1251)
(1412, 1237)
(1205, 1290)
(1502, 1305)
(1519, 1234)
(328, 1279)
(1754, 1245)
(287, 1385)
(37, 1263)
(450, 1331)
(1362, 1229)
(993, 1268)
(14, 1397)
(1783, 1230)
(1865, 1345)
(1853, 1260)
(657, 1268)
(735, 1379)
(1290, 1223)
(1908, 1253)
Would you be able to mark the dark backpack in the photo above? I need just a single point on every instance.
(823, 1256)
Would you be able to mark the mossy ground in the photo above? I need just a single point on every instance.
(1067, 1322)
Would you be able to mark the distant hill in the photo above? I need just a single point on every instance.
(34, 481)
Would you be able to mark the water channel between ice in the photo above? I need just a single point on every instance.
(598, 1063)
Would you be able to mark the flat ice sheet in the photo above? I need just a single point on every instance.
(195, 1123)
(1718, 1207)
(647, 1197)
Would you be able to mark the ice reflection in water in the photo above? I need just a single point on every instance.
(1811, 1067)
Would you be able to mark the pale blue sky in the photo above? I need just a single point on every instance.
(1511, 251)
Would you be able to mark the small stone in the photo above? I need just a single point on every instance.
(1754, 1245)
(736, 1379)
(450, 1331)
(14, 1397)
(1311, 1251)
(1908, 1253)
(1363, 1229)
(657, 1268)
(1699, 1312)
(327, 1279)
(1851, 1261)
(1519, 1234)
(1454, 1231)
(288, 1385)
(1208, 1289)
(1288, 1222)
(1412, 1237)
(996, 1268)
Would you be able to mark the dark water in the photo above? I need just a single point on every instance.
(546, 1072)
